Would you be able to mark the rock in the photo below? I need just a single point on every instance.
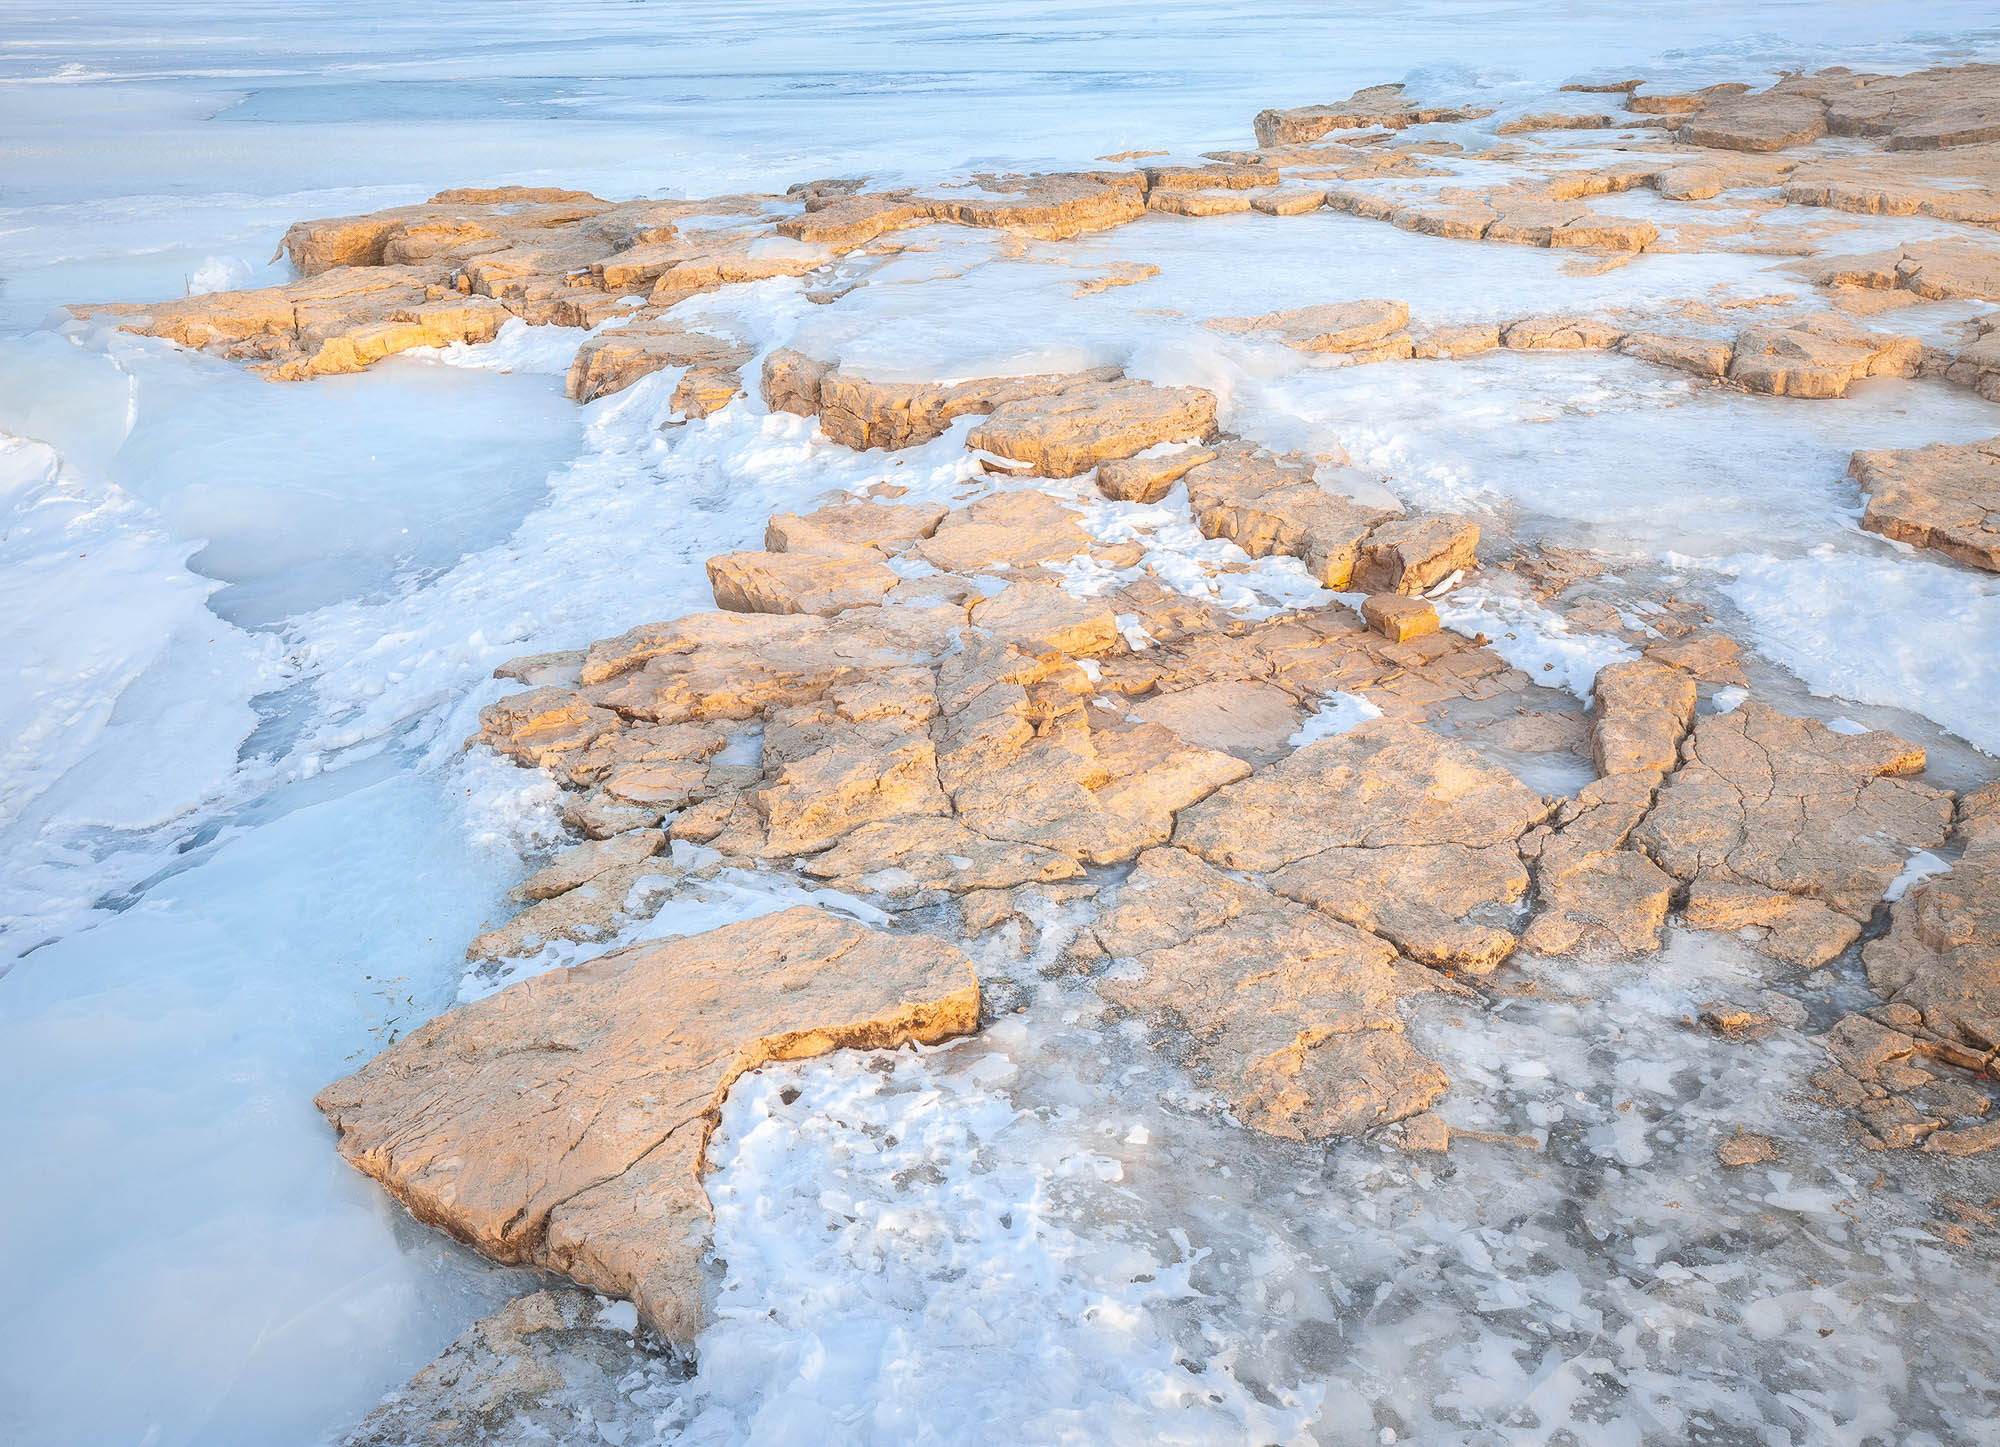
(1641, 710)
(1266, 505)
(530, 1371)
(1787, 804)
(1818, 357)
(854, 529)
(1556, 121)
(910, 855)
(1147, 478)
(796, 583)
(586, 862)
(1941, 954)
(1069, 433)
(612, 361)
(1697, 355)
(1710, 657)
(1563, 334)
(1251, 720)
(1796, 929)
(1452, 342)
(860, 754)
(1399, 618)
(1336, 327)
(590, 911)
(1590, 887)
(1765, 122)
(1927, 110)
(1412, 555)
(1744, 1149)
(1006, 530)
(562, 1121)
(1940, 497)
(705, 391)
(861, 414)
(537, 726)
(1042, 618)
(1968, 1142)
(1383, 106)
(1290, 1016)
(1289, 201)
(1425, 1131)
(1418, 898)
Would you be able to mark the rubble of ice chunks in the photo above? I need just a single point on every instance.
(563, 1121)
(1942, 497)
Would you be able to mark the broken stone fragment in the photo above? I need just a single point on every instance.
(1697, 355)
(1290, 1016)
(1941, 954)
(536, 726)
(854, 529)
(1147, 478)
(1641, 710)
(1336, 327)
(1745, 1149)
(585, 862)
(589, 911)
(1821, 356)
(1399, 618)
(910, 855)
(614, 360)
(1799, 930)
(1067, 434)
(1381, 106)
(1563, 334)
(1266, 504)
(562, 1122)
(1940, 497)
(1590, 887)
(1412, 555)
(1425, 1131)
(796, 582)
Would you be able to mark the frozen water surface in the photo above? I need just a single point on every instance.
(248, 626)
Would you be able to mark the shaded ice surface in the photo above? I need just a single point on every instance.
(248, 626)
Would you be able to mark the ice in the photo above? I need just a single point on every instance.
(1338, 713)
(1533, 639)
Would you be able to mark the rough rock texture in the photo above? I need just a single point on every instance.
(1266, 504)
(1388, 827)
(796, 582)
(1006, 530)
(1941, 955)
(1819, 357)
(1786, 804)
(1383, 106)
(1150, 475)
(614, 360)
(1398, 617)
(1940, 497)
(562, 1121)
(1068, 433)
(1412, 555)
(1336, 327)
(529, 1372)
(1290, 1016)
(1641, 712)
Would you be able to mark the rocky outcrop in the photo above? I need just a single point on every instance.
(1070, 432)
(1940, 497)
(1941, 955)
(562, 1122)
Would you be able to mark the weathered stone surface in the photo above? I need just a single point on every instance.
(1005, 530)
(1336, 327)
(1041, 618)
(1267, 504)
(1818, 357)
(563, 1120)
(1766, 122)
(1562, 334)
(1952, 186)
(854, 529)
(1290, 1016)
(1797, 929)
(1786, 803)
(590, 911)
(1745, 1149)
(1641, 710)
(529, 1372)
(1383, 106)
(1941, 955)
(1398, 617)
(1416, 897)
(1698, 355)
(1558, 121)
(1148, 476)
(860, 754)
(1941, 497)
(705, 391)
(585, 862)
(614, 360)
(1412, 555)
(1382, 784)
(537, 726)
(908, 855)
(858, 412)
(1590, 888)
(796, 582)
(1067, 434)
(1251, 720)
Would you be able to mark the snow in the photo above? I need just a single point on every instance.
(249, 627)
(1337, 713)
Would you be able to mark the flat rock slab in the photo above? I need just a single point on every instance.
(562, 1121)
(1289, 1015)
(1067, 434)
(1940, 497)
(1787, 804)
(820, 583)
